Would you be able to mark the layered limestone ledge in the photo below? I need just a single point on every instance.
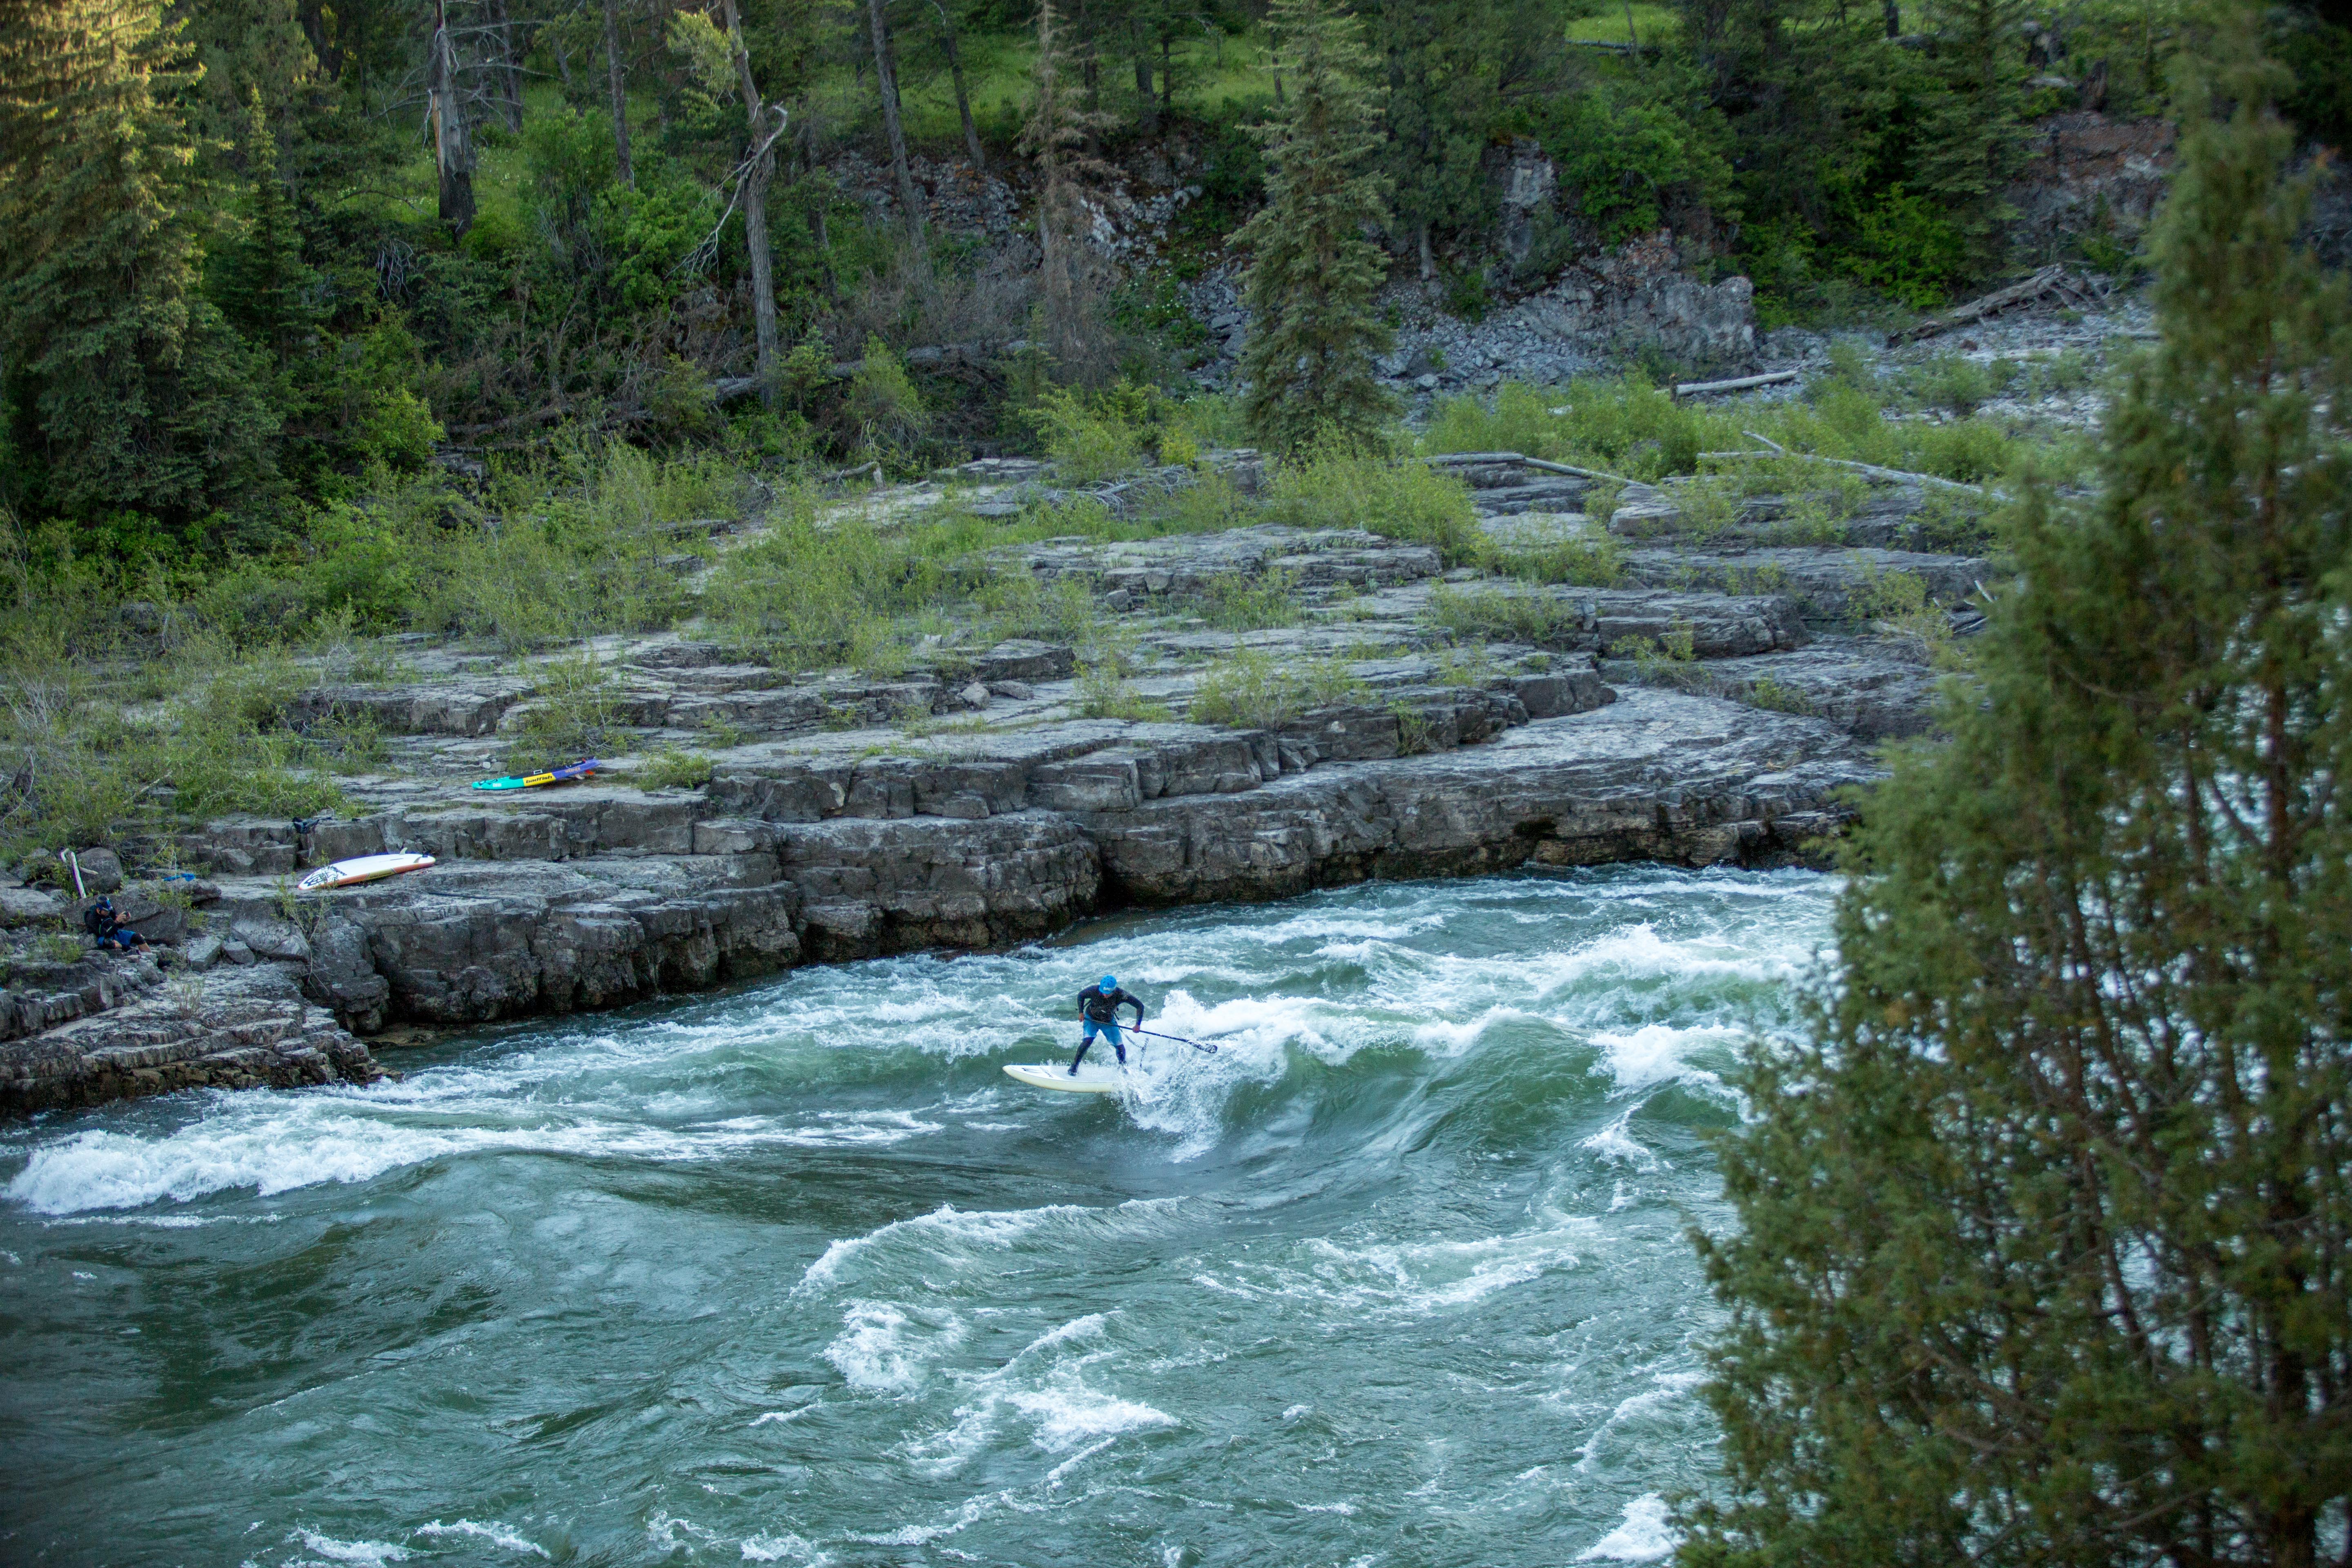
(1004, 838)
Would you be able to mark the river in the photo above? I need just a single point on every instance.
(792, 1273)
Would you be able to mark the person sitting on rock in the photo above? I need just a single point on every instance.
(1099, 1005)
(100, 921)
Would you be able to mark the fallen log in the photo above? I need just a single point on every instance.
(2049, 280)
(1868, 470)
(1737, 383)
(1551, 468)
(1485, 459)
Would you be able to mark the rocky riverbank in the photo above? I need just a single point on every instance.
(1712, 710)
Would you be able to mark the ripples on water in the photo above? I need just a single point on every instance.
(794, 1274)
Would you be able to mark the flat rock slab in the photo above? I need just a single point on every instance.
(1873, 690)
(1193, 564)
(1825, 584)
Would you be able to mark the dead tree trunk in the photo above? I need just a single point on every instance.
(509, 67)
(888, 82)
(617, 75)
(964, 99)
(453, 147)
(762, 150)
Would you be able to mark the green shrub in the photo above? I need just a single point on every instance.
(57, 947)
(1212, 420)
(818, 594)
(1252, 691)
(351, 742)
(1341, 486)
(206, 738)
(574, 712)
(1669, 660)
(1767, 692)
(1106, 665)
(884, 409)
(1478, 612)
(1591, 561)
(1018, 604)
(1908, 247)
(1088, 438)
(1471, 666)
(1617, 425)
(671, 768)
(1415, 733)
(1253, 604)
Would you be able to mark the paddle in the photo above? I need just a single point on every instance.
(1179, 1039)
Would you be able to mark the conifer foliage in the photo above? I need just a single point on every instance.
(1312, 271)
(2047, 1240)
(145, 397)
(1058, 135)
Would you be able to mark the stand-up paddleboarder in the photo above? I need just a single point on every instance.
(1099, 1005)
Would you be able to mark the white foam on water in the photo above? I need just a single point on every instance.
(663, 1530)
(1053, 1477)
(1645, 1535)
(1065, 1413)
(944, 1232)
(784, 1548)
(272, 1143)
(494, 1532)
(1660, 1053)
(1616, 1145)
(971, 1511)
(1352, 1279)
(373, 1553)
(883, 1349)
(1046, 1385)
(1666, 1389)
(793, 1415)
(1639, 951)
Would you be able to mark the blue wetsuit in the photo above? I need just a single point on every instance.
(1100, 1008)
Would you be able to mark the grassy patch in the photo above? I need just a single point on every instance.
(1252, 691)
(673, 768)
(1627, 426)
(1592, 559)
(1779, 697)
(1492, 612)
(94, 756)
(576, 713)
(1254, 603)
(1397, 497)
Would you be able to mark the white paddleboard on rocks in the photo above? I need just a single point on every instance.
(364, 868)
(1055, 1075)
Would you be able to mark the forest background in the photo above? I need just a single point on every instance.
(258, 257)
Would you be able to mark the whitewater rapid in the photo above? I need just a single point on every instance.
(794, 1274)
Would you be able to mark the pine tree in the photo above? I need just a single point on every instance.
(1312, 273)
(259, 278)
(1439, 102)
(2045, 1251)
(1971, 139)
(141, 395)
(1055, 137)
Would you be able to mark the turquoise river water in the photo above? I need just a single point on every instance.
(794, 1274)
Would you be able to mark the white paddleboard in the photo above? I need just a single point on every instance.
(1055, 1075)
(362, 868)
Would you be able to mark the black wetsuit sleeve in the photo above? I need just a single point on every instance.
(1135, 1002)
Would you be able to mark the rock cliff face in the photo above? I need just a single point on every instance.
(107, 1028)
(602, 896)
(1712, 710)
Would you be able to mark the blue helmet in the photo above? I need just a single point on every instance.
(1111, 982)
